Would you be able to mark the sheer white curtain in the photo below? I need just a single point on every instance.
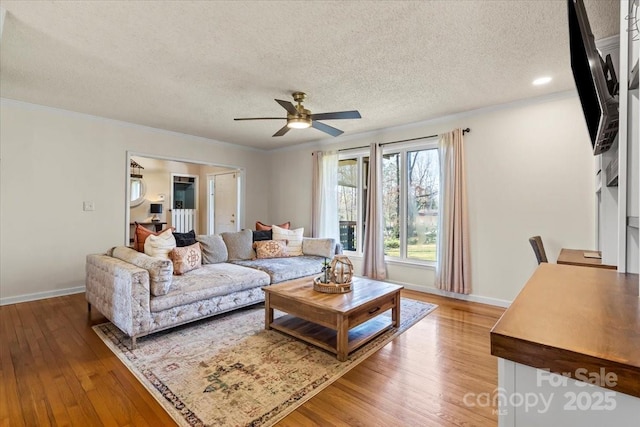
(325, 195)
(373, 246)
(453, 269)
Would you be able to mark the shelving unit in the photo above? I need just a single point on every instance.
(617, 177)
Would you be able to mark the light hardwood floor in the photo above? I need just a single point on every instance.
(54, 370)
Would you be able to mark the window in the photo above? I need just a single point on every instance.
(352, 184)
(410, 191)
(423, 173)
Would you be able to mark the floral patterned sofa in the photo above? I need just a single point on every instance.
(140, 294)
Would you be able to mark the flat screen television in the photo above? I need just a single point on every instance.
(595, 80)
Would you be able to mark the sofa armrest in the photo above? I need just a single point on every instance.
(120, 291)
(321, 246)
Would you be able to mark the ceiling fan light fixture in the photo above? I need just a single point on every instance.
(299, 123)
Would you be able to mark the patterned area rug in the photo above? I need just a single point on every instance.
(228, 370)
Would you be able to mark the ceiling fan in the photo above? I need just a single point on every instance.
(299, 117)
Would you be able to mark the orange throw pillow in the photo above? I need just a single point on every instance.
(264, 227)
(141, 235)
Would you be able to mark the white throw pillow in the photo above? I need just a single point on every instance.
(159, 246)
(293, 238)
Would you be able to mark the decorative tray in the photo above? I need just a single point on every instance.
(331, 288)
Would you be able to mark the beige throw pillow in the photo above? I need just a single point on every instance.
(239, 245)
(159, 246)
(324, 247)
(293, 238)
(213, 248)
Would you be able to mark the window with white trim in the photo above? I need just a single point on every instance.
(410, 191)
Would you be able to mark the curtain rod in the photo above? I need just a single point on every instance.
(466, 130)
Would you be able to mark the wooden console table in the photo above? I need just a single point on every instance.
(576, 257)
(570, 323)
(157, 225)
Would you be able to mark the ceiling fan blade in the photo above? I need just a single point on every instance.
(326, 128)
(282, 131)
(337, 115)
(263, 118)
(288, 106)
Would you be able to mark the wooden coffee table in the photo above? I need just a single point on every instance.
(339, 323)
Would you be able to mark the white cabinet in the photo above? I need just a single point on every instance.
(530, 397)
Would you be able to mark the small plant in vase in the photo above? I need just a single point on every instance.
(326, 272)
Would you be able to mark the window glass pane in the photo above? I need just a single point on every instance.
(422, 204)
(348, 202)
(391, 203)
(136, 189)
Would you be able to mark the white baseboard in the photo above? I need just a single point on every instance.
(473, 298)
(79, 289)
(42, 295)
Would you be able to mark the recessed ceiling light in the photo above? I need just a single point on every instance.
(541, 81)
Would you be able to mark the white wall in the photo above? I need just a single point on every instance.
(529, 165)
(52, 161)
(529, 172)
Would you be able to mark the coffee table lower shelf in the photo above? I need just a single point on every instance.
(326, 338)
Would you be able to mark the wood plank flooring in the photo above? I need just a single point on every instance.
(55, 371)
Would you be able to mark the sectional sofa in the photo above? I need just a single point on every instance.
(140, 294)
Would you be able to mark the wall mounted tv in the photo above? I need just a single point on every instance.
(595, 80)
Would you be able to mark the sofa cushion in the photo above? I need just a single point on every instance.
(239, 244)
(264, 227)
(324, 247)
(213, 248)
(185, 239)
(293, 238)
(186, 258)
(281, 269)
(160, 270)
(140, 236)
(159, 246)
(206, 282)
(270, 249)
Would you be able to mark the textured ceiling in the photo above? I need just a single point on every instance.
(192, 67)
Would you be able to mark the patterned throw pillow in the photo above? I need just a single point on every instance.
(293, 238)
(140, 236)
(270, 248)
(159, 246)
(263, 227)
(186, 258)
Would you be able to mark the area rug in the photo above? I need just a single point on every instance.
(228, 370)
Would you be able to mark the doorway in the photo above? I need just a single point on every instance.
(223, 202)
(184, 202)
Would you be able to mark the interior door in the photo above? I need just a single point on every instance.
(226, 202)
(184, 202)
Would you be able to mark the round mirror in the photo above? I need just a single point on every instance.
(137, 190)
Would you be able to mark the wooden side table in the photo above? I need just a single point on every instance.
(576, 257)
